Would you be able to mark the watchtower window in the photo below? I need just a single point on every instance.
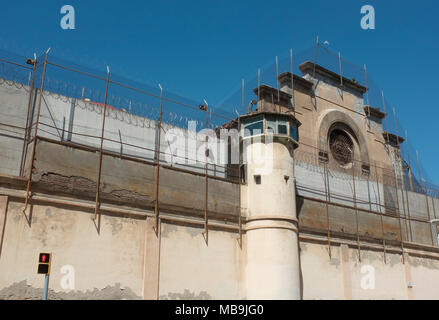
(294, 133)
(276, 125)
(282, 127)
(253, 126)
(257, 179)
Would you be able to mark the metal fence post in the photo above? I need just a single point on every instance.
(206, 214)
(31, 91)
(380, 212)
(356, 211)
(98, 184)
(327, 209)
(157, 175)
(29, 182)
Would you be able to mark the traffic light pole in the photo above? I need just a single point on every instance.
(46, 287)
(44, 262)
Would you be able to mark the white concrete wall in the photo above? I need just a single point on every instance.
(138, 135)
(192, 269)
(13, 110)
(99, 260)
(321, 277)
(346, 277)
(111, 265)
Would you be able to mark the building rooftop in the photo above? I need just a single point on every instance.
(308, 67)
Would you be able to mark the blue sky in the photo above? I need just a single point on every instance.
(202, 49)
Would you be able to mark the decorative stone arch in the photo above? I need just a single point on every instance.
(334, 117)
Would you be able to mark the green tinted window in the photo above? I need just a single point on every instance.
(293, 131)
(271, 125)
(282, 126)
(254, 128)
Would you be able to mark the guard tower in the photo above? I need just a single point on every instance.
(273, 269)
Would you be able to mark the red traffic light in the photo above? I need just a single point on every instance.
(44, 258)
(44, 261)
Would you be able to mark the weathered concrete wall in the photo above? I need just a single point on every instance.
(368, 194)
(321, 277)
(13, 110)
(74, 171)
(344, 276)
(387, 280)
(424, 278)
(371, 226)
(311, 184)
(114, 263)
(106, 265)
(192, 269)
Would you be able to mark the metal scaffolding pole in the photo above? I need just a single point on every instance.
(31, 92)
(398, 157)
(29, 181)
(292, 82)
(408, 159)
(259, 89)
(398, 213)
(157, 168)
(356, 211)
(384, 107)
(396, 186)
(411, 187)
(277, 82)
(205, 108)
(426, 195)
(243, 85)
(341, 70)
(380, 211)
(434, 214)
(315, 57)
(327, 209)
(367, 89)
(239, 184)
(98, 184)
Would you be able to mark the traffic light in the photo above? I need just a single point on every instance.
(44, 261)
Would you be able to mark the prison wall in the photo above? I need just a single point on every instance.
(190, 268)
(377, 203)
(13, 109)
(73, 172)
(80, 122)
(343, 275)
(116, 262)
(125, 259)
(106, 265)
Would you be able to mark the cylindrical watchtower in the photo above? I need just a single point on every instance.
(273, 268)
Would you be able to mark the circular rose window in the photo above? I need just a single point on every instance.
(341, 146)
